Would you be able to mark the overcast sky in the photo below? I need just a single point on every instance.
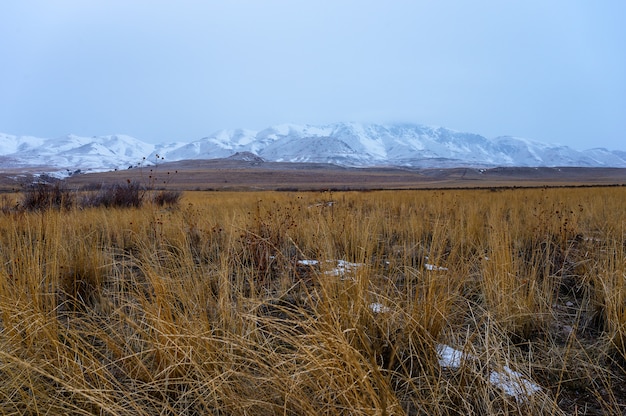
(162, 70)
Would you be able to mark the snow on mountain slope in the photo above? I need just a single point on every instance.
(12, 144)
(604, 157)
(350, 144)
(220, 144)
(75, 152)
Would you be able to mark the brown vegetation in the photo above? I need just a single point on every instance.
(317, 303)
(242, 175)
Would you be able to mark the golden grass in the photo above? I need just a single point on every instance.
(208, 308)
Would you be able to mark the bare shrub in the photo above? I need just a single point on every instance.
(169, 198)
(128, 195)
(40, 196)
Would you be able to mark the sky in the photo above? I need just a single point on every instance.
(164, 71)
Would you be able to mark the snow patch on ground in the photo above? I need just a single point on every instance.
(429, 266)
(341, 268)
(379, 308)
(512, 383)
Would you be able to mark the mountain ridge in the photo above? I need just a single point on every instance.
(346, 144)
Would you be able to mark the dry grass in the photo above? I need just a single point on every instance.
(209, 308)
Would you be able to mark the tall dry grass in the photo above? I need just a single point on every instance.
(317, 303)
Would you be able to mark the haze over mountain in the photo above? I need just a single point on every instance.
(348, 144)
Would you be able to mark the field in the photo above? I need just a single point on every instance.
(418, 302)
(237, 175)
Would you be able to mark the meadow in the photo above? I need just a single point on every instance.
(420, 302)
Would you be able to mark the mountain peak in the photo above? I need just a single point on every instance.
(344, 143)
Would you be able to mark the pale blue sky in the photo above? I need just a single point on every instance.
(163, 70)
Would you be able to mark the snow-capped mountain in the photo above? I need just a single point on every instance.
(350, 144)
(72, 152)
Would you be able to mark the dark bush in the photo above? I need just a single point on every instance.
(130, 194)
(169, 198)
(40, 196)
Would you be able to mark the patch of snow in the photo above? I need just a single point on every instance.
(343, 267)
(322, 204)
(510, 382)
(379, 308)
(513, 383)
(429, 266)
(309, 262)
